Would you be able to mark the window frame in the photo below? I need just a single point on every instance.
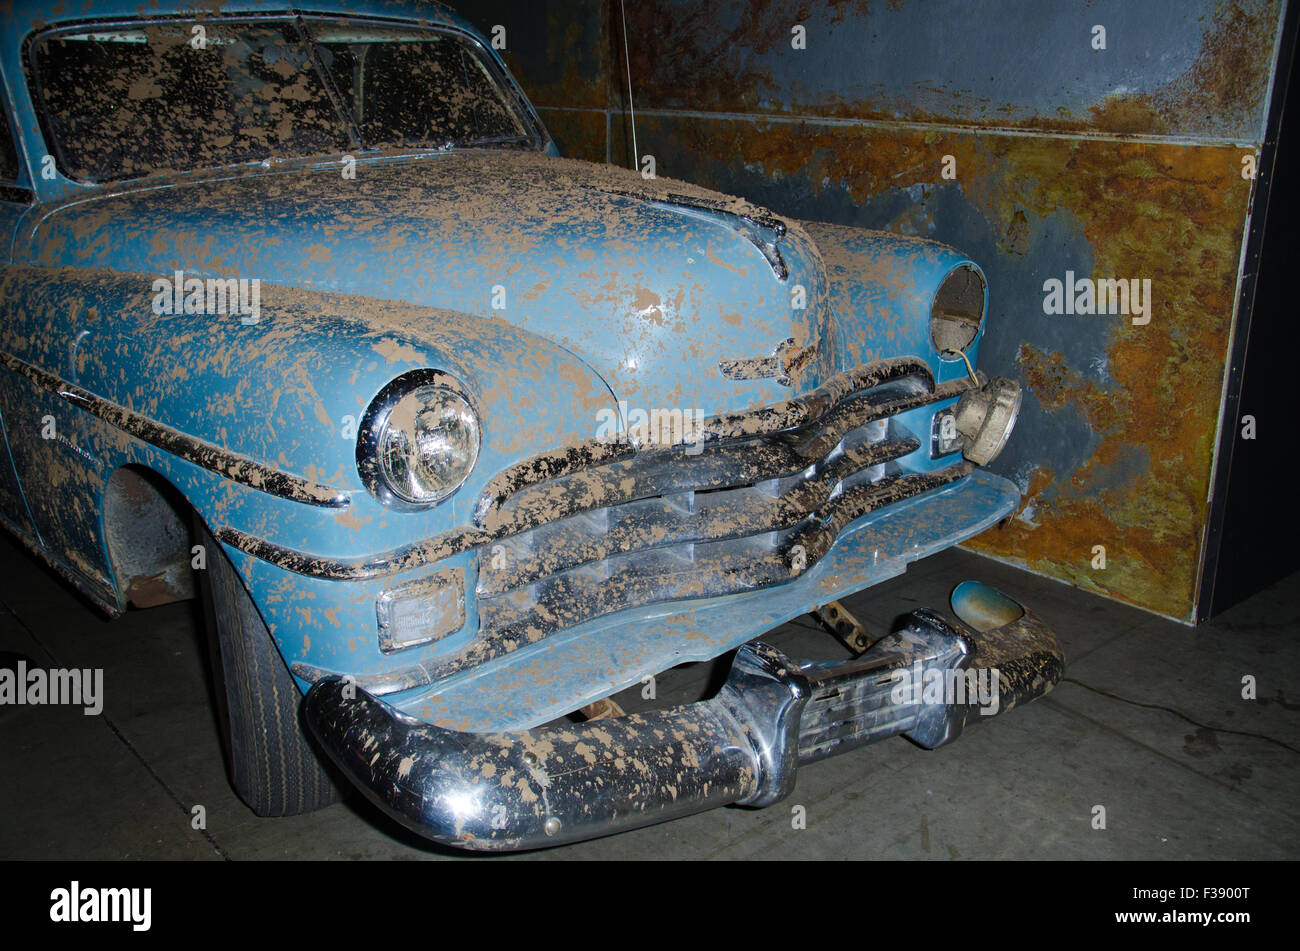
(14, 191)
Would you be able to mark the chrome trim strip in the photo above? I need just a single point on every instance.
(206, 455)
(386, 563)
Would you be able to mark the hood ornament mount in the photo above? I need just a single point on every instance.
(755, 231)
(787, 361)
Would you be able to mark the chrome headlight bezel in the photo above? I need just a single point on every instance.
(375, 428)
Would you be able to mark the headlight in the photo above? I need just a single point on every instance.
(958, 310)
(986, 417)
(419, 440)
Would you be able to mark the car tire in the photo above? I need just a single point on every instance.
(270, 759)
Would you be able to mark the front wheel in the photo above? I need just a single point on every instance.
(271, 762)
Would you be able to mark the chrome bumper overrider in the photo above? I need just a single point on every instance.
(565, 783)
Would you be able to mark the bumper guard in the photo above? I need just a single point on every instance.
(565, 783)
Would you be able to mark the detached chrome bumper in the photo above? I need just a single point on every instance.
(547, 786)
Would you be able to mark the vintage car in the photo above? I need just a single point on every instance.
(303, 312)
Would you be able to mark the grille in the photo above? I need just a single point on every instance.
(759, 504)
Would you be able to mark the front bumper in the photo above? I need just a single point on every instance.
(566, 783)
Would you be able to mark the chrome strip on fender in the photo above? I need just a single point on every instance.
(235, 467)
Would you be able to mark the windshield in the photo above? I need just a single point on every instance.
(414, 87)
(127, 102)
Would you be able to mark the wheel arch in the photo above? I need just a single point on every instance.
(148, 533)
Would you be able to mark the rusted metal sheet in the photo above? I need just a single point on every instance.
(1186, 68)
(1063, 159)
(578, 133)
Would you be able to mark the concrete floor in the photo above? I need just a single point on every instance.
(1150, 724)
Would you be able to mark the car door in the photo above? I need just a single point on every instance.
(16, 198)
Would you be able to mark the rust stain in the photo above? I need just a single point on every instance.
(683, 60)
(1174, 215)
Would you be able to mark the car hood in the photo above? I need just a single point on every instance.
(653, 283)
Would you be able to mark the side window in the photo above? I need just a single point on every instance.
(8, 154)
